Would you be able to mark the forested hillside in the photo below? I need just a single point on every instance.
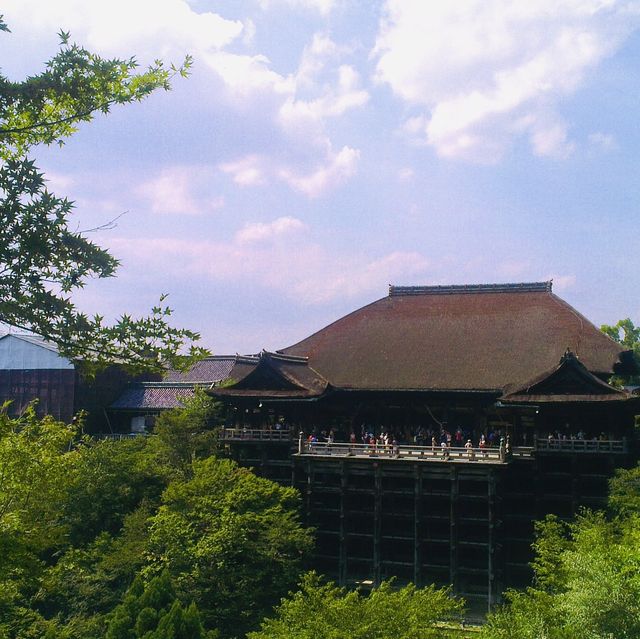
(88, 529)
(159, 537)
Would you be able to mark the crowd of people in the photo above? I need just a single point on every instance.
(440, 440)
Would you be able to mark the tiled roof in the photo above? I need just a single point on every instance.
(481, 337)
(274, 375)
(176, 385)
(210, 369)
(150, 396)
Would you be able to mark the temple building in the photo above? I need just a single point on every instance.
(138, 405)
(428, 430)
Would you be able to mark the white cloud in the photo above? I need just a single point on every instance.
(332, 171)
(295, 104)
(321, 88)
(247, 76)
(486, 71)
(58, 183)
(261, 231)
(338, 168)
(351, 278)
(299, 115)
(300, 270)
(324, 7)
(406, 174)
(166, 29)
(551, 139)
(247, 171)
(152, 28)
(179, 190)
(603, 141)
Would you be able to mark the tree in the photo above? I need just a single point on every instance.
(35, 459)
(587, 577)
(323, 611)
(97, 496)
(628, 335)
(624, 492)
(154, 612)
(231, 541)
(185, 434)
(80, 519)
(42, 260)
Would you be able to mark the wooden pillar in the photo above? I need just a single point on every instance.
(491, 516)
(453, 527)
(538, 488)
(575, 480)
(264, 461)
(309, 491)
(417, 521)
(342, 559)
(377, 524)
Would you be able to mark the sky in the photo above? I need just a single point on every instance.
(324, 149)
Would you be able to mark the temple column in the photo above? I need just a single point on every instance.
(453, 528)
(377, 524)
(342, 558)
(417, 520)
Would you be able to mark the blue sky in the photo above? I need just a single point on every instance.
(322, 149)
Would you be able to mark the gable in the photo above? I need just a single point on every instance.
(265, 377)
(570, 378)
(25, 353)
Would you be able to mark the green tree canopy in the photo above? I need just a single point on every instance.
(587, 576)
(154, 612)
(36, 456)
(324, 611)
(628, 335)
(80, 518)
(231, 541)
(42, 259)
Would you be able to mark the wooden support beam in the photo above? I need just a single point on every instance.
(575, 491)
(491, 516)
(342, 558)
(377, 524)
(417, 524)
(308, 491)
(453, 528)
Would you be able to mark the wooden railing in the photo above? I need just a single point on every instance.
(118, 436)
(255, 434)
(583, 445)
(427, 453)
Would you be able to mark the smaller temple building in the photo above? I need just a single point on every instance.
(137, 406)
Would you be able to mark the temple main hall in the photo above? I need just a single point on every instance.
(428, 430)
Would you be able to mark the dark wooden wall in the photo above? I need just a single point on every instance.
(53, 388)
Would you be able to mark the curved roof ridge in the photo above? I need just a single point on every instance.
(447, 289)
(284, 357)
